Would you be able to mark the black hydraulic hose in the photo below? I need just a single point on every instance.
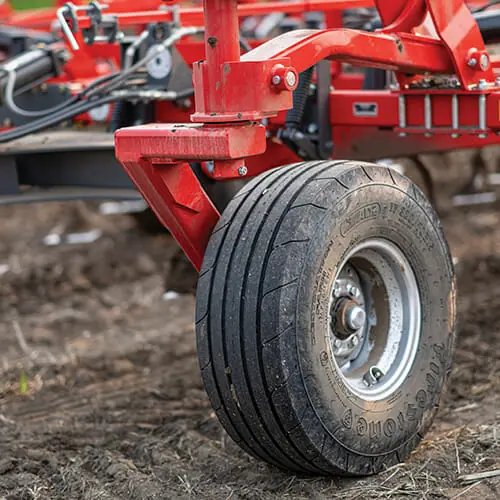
(300, 94)
(55, 119)
(116, 115)
(75, 110)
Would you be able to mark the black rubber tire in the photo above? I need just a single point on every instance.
(261, 318)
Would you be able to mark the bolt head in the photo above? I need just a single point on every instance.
(484, 62)
(472, 62)
(355, 317)
(354, 341)
(312, 128)
(291, 79)
(242, 170)
(455, 136)
(276, 80)
(337, 343)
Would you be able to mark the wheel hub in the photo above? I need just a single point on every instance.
(374, 318)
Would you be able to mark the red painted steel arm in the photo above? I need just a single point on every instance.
(406, 53)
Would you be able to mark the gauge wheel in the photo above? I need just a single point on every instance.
(326, 317)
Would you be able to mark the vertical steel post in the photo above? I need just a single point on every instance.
(221, 44)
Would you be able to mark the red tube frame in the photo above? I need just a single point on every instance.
(229, 90)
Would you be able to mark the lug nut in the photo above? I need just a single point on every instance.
(355, 317)
(354, 341)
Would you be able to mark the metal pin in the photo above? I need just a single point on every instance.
(428, 112)
(454, 112)
(402, 111)
(482, 112)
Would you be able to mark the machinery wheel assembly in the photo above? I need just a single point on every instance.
(326, 317)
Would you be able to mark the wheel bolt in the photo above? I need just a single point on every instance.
(354, 341)
(355, 317)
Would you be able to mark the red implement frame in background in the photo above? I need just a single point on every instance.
(232, 94)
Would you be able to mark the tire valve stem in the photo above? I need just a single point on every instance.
(372, 376)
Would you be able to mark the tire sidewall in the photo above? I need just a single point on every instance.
(394, 213)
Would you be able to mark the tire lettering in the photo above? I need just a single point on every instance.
(411, 412)
(361, 426)
(323, 358)
(347, 419)
(389, 427)
(431, 383)
(435, 369)
(375, 429)
(421, 398)
(401, 421)
(364, 213)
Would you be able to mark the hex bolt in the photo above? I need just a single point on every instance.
(354, 342)
(242, 171)
(276, 80)
(472, 62)
(484, 62)
(355, 317)
(291, 79)
(337, 343)
(354, 291)
(312, 128)
(482, 84)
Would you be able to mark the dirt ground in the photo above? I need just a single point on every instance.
(101, 398)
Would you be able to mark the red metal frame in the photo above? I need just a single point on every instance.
(230, 91)
(234, 93)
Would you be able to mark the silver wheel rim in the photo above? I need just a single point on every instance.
(375, 316)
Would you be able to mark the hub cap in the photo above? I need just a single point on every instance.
(375, 316)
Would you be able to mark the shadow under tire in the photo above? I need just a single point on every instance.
(325, 317)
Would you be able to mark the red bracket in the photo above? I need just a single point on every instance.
(456, 28)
